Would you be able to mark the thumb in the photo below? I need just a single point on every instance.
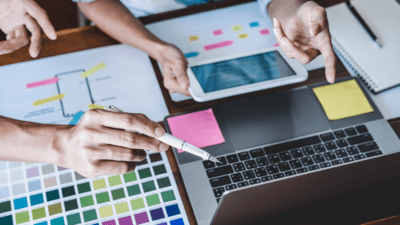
(317, 20)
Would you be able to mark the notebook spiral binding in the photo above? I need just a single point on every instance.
(352, 66)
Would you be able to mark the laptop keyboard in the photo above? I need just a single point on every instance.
(290, 158)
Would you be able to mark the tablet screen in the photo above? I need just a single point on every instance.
(242, 71)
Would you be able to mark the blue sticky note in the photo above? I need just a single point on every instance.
(172, 210)
(34, 185)
(36, 199)
(191, 54)
(20, 203)
(254, 24)
(177, 222)
(57, 221)
(76, 118)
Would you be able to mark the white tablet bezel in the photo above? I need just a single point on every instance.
(198, 94)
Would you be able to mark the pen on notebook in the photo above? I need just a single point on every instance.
(178, 143)
(362, 22)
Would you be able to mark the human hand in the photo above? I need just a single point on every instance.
(174, 66)
(306, 35)
(16, 16)
(99, 145)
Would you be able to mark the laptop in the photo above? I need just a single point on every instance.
(283, 159)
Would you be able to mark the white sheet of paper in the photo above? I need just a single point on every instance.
(179, 31)
(127, 81)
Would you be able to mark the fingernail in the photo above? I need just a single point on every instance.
(275, 32)
(163, 147)
(285, 42)
(184, 85)
(159, 131)
(275, 22)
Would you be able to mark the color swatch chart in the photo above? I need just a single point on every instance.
(43, 194)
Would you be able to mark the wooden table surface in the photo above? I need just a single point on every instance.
(78, 39)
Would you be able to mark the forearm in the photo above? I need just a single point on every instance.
(115, 20)
(284, 9)
(29, 142)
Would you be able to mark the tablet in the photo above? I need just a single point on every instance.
(239, 74)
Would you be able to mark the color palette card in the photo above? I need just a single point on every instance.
(43, 194)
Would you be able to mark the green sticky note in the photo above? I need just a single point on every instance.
(159, 169)
(87, 201)
(85, 187)
(153, 200)
(133, 190)
(38, 213)
(74, 219)
(144, 173)
(118, 194)
(102, 197)
(149, 186)
(22, 217)
(168, 196)
(114, 180)
(137, 204)
(129, 177)
(71, 205)
(163, 182)
(90, 215)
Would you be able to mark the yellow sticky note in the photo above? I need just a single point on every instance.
(93, 70)
(243, 36)
(193, 38)
(237, 28)
(94, 106)
(47, 100)
(343, 100)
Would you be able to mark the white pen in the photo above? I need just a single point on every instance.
(178, 143)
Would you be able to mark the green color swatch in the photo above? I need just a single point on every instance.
(114, 180)
(99, 184)
(129, 177)
(22, 217)
(87, 201)
(153, 200)
(133, 190)
(68, 191)
(55, 209)
(106, 211)
(38, 213)
(90, 215)
(118, 194)
(5, 207)
(168, 196)
(163, 182)
(71, 205)
(137, 204)
(85, 187)
(159, 169)
(102, 197)
(144, 173)
(121, 207)
(149, 186)
(74, 219)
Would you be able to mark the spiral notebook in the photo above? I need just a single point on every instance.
(379, 68)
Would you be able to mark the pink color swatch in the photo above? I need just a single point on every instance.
(141, 218)
(218, 45)
(200, 129)
(42, 83)
(33, 172)
(218, 32)
(111, 222)
(276, 45)
(264, 31)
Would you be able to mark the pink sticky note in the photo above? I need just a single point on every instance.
(276, 44)
(217, 32)
(264, 31)
(200, 129)
(218, 45)
(42, 83)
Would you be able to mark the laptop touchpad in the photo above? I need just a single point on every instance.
(276, 117)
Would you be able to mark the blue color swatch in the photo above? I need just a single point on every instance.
(172, 210)
(177, 222)
(34, 185)
(4, 192)
(7, 220)
(254, 24)
(20, 203)
(57, 221)
(36, 199)
(52, 195)
(42, 223)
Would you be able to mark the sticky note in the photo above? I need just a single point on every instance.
(276, 45)
(254, 24)
(237, 28)
(218, 45)
(193, 38)
(217, 32)
(264, 31)
(47, 100)
(343, 100)
(94, 106)
(200, 129)
(42, 83)
(241, 36)
(93, 70)
(191, 54)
